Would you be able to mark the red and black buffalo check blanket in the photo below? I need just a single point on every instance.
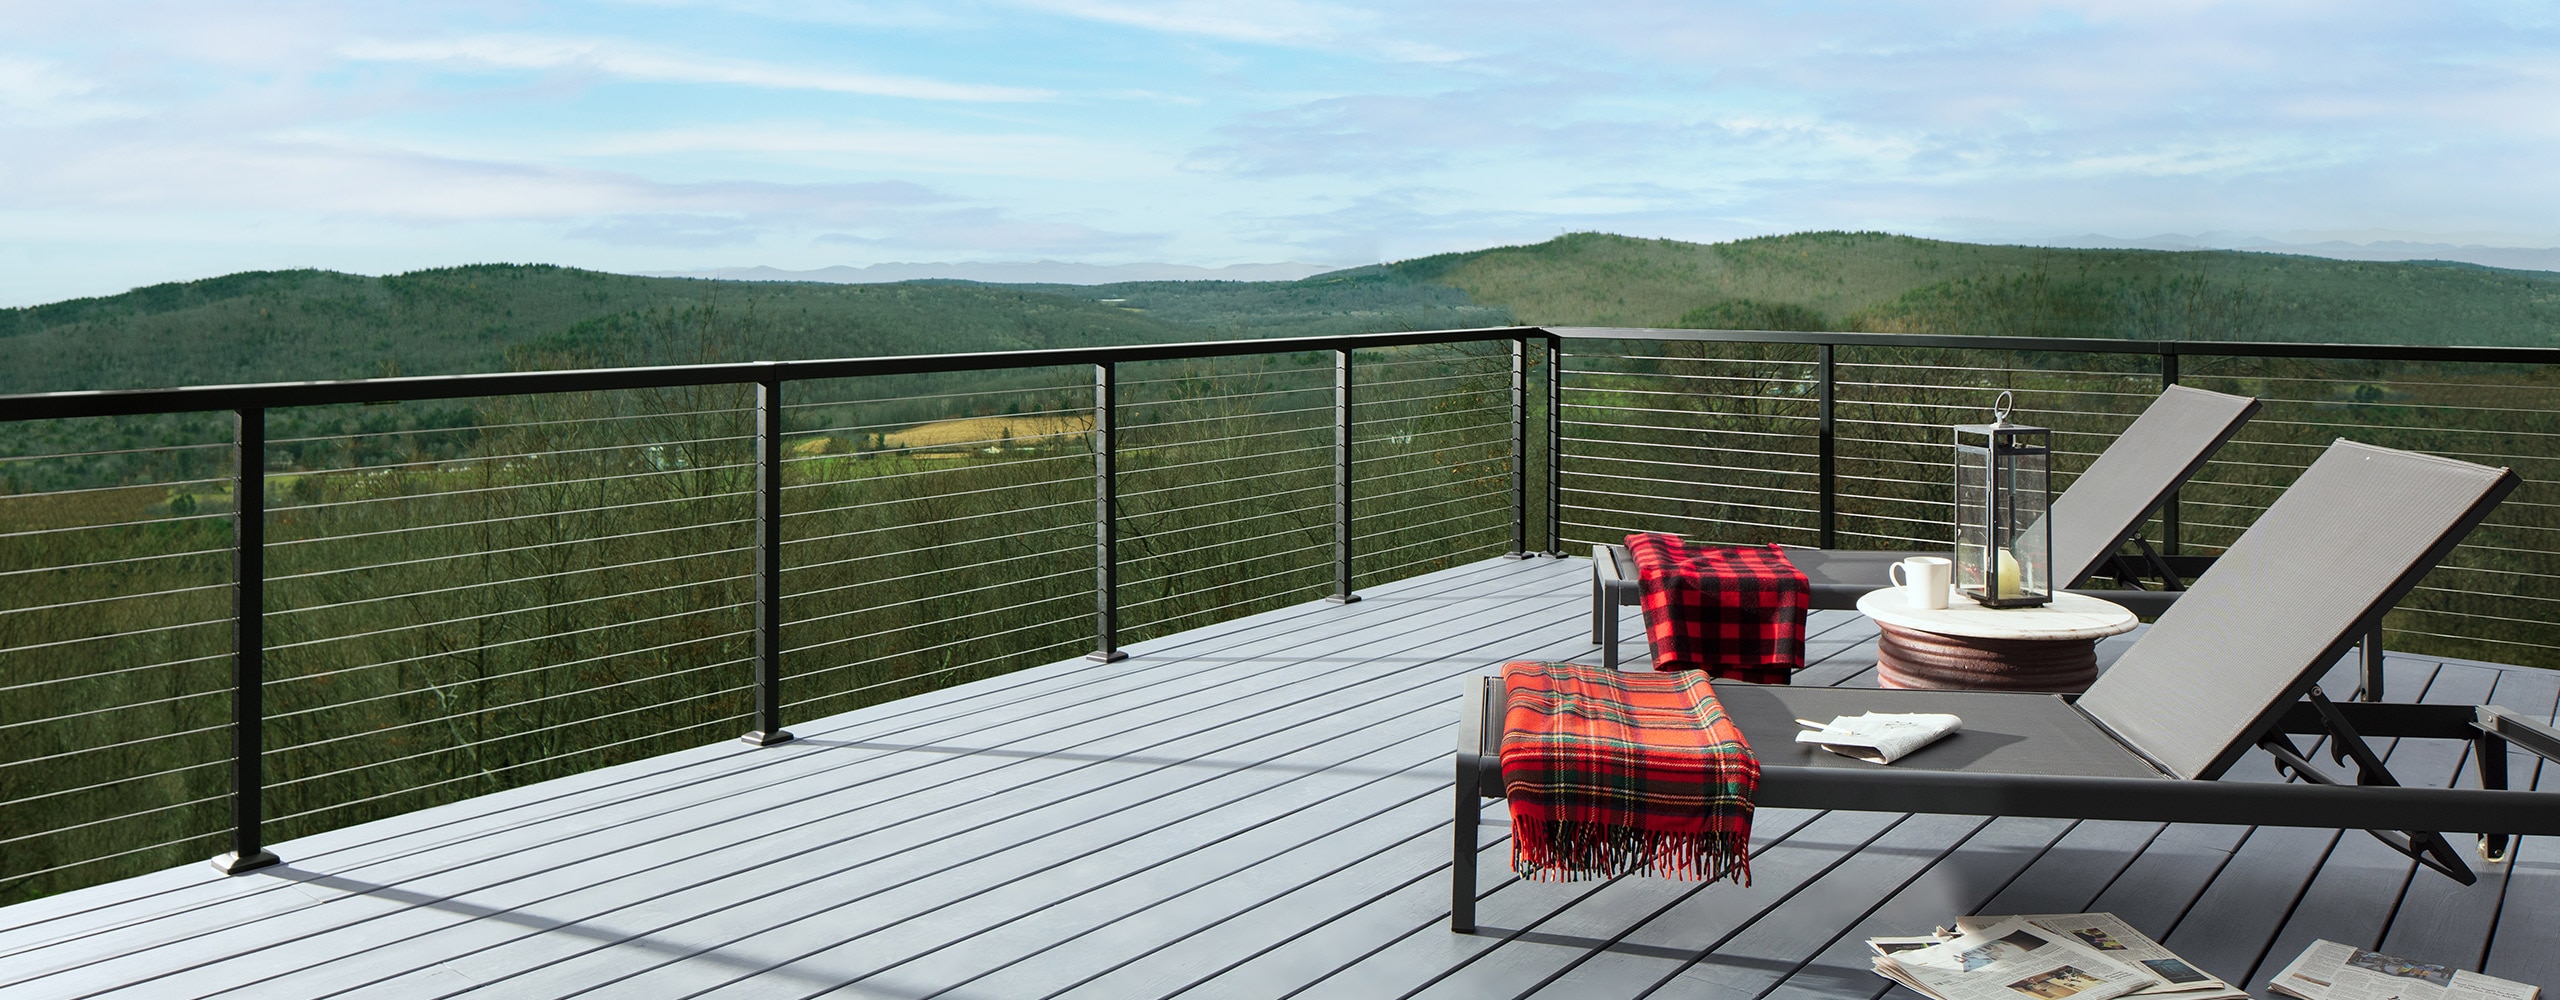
(1613, 773)
(1733, 610)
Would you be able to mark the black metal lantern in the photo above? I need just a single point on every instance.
(2004, 542)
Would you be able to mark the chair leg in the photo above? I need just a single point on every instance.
(1462, 857)
(1599, 602)
(2371, 651)
(1609, 633)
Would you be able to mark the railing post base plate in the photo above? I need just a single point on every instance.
(1107, 656)
(231, 863)
(763, 738)
(1343, 599)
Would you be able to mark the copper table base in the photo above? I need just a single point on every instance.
(1909, 658)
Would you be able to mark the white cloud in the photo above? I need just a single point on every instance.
(892, 150)
(40, 93)
(1294, 23)
(640, 62)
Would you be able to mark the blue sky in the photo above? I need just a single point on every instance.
(145, 142)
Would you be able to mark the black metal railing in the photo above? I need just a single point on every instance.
(415, 620)
(442, 586)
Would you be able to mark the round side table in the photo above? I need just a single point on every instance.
(1966, 645)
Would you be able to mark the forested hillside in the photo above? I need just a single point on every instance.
(1898, 284)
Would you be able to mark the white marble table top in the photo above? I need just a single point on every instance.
(2070, 616)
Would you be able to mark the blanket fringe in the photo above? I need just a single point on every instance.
(1574, 851)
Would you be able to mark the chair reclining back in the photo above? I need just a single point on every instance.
(2168, 443)
(2346, 541)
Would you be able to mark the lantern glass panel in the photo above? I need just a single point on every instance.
(2002, 535)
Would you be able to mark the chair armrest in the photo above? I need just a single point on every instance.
(1480, 734)
(2519, 731)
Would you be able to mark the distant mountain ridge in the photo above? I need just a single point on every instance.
(1033, 272)
(2512, 258)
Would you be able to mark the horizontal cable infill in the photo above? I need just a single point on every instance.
(938, 498)
(502, 644)
(128, 706)
(67, 529)
(516, 460)
(94, 601)
(516, 425)
(492, 772)
(1390, 570)
(411, 529)
(1133, 608)
(439, 690)
(121, 488)
(1130, 498)
(947, 595)
(1145, 521)
(60, 830)
(145, 450)
(126, 634)
(518, 549)
(933, 471)
(505, 612)
(1687, 486)
(1589, 414)
(1257, 457)
(922, 650)
(153, 738)
(112, 782)
(910, 527)
(126, 561)
(1272, 598)
(1604, 461)
(1436, 538)
(1624, 509)
(1769, 435)
(1134, 564)
(104, 674)
(996, 561)
(103, 858)
(280, 751)
(1040, 651)
(483, 490)
(958, 543)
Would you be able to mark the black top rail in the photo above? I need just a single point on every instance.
(2093, 345)
(192, 399)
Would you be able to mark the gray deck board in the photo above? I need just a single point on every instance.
(1257, 808)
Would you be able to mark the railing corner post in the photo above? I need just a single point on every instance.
(1555, 445)
(1827, 451)
(248, 644)
(1342, 522)
(1106, 514)
(768, 568)
(1519, 448)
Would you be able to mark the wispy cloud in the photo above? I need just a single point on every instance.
(40, 93)
(634, 61)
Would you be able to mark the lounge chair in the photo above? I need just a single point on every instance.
(2103, 509)
(2229, 668)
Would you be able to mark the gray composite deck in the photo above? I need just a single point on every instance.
(1255, 809)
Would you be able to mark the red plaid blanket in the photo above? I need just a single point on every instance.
(1734, 610)
(1611, 773)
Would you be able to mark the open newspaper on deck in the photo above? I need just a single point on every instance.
(2013, 960)
(2112, 937)
(2331, 971)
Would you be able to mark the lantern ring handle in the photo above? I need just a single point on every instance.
(2000, 408)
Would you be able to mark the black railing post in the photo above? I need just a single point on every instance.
(1519, 447)
(2169, 507)
(1106, 514)
(1826, 451)
(1555, 445)
(248, 643)
(1342, 478)
(769, 453)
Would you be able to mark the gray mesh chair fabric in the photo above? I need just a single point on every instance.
(2224, 669)
(2164, 446)
(2346, 540)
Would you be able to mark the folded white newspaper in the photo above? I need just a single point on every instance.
(2331, 971)
(1881, 737)
(2109, 936)
(2012, 960)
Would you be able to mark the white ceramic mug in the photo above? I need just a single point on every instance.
(1923, 580)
